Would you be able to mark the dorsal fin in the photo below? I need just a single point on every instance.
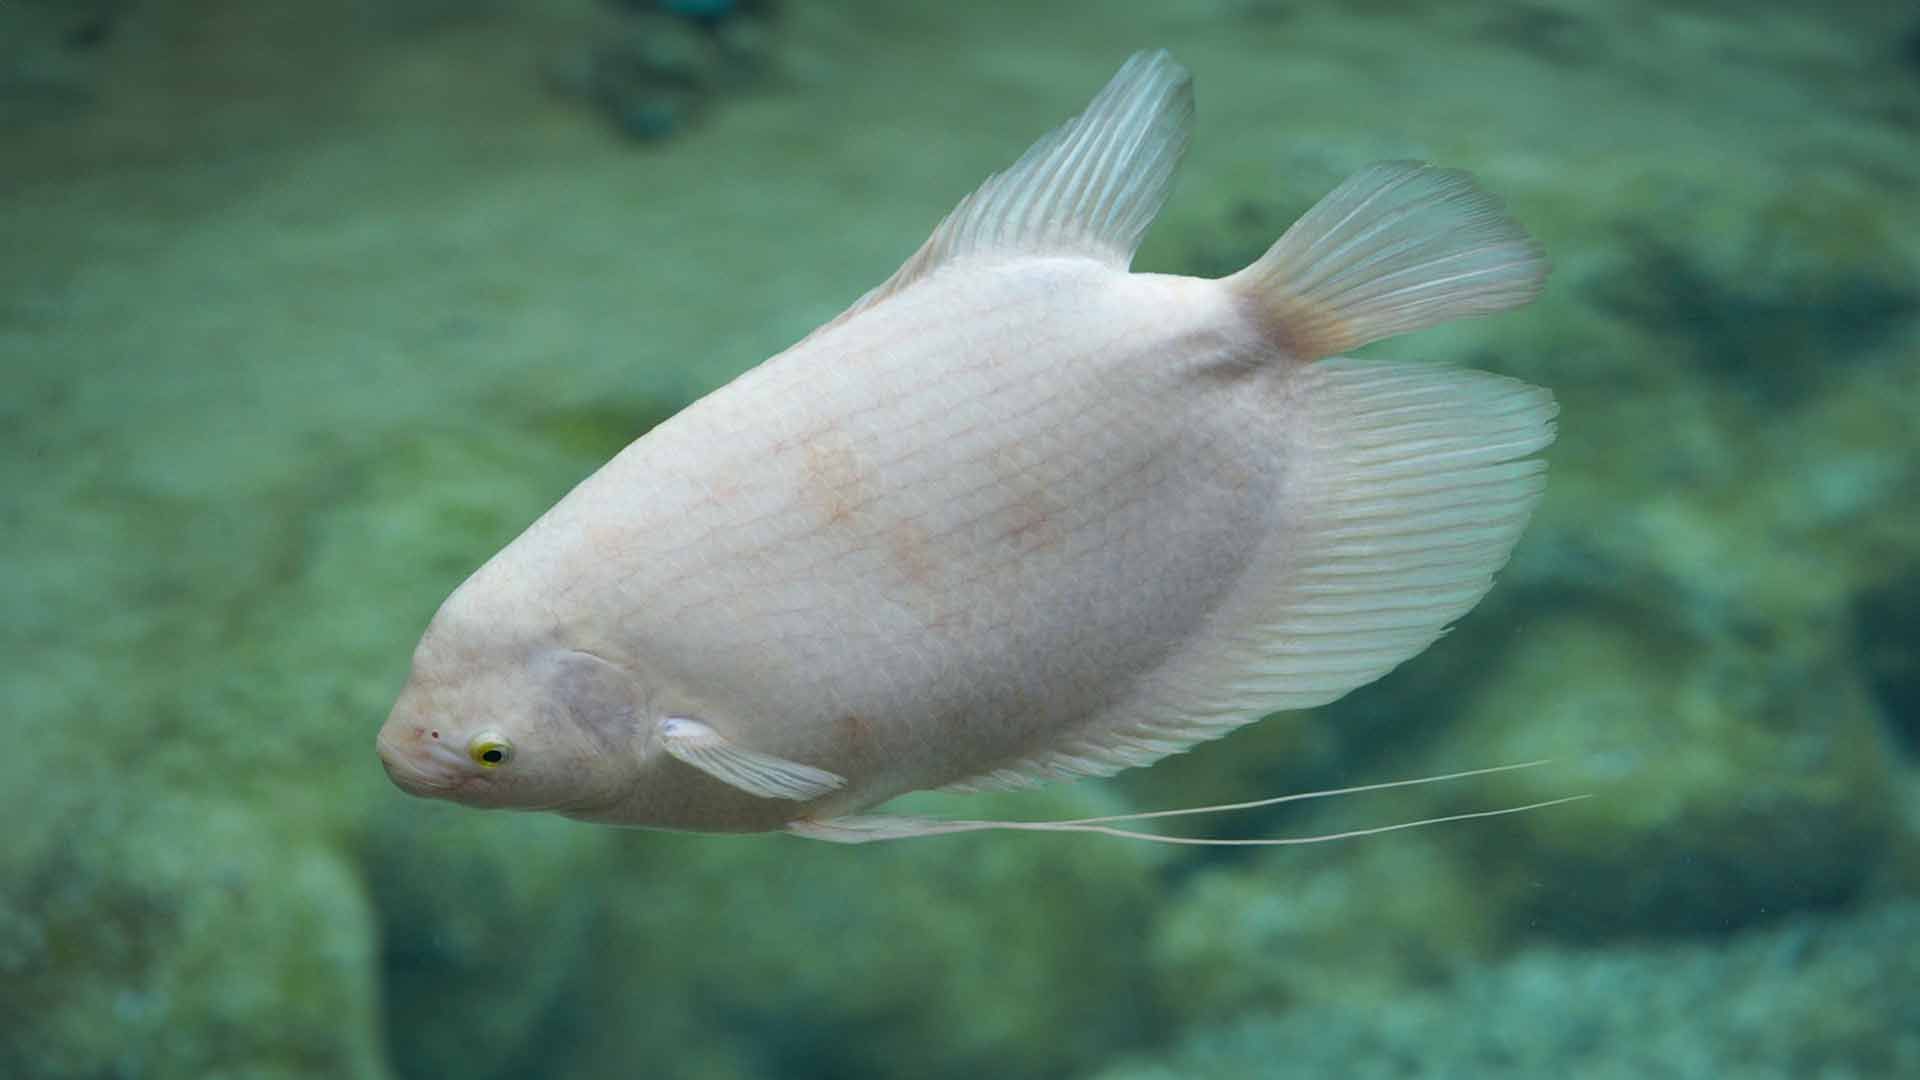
(1399, 246)
(1089, 187)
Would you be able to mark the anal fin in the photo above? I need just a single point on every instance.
(868, 828)
(1409, 486)
(755, 773)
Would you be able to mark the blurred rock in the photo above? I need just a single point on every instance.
(148, 934)
(651, 69)
(177, 899)
(48, 52)
(996, 954)
(486, 930)
(1733, 781)
(1814, 996)
(1729, 784)
(1345, 924)
(515, 945)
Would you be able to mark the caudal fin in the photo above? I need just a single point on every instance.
(1398, 247)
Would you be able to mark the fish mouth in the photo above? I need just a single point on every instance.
(413, 776)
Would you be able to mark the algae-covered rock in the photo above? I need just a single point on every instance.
(486, 929)
(149, 934)
(46, 53)
(179, 891)
(652, 70)
(1730, 781)
(513, 945)
(995, 954)
(1319, 927)
(1815, 996)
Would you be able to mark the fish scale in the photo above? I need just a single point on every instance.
(1127, 462)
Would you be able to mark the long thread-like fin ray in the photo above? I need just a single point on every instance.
(1303, 796)
(867, 828)
(1271, 841)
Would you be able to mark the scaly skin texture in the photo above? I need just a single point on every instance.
(927, 542)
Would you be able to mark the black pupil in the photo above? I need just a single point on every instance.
(491, 755)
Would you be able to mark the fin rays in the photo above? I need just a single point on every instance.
(1399, 246)
(755, 773)
(868, 828)
(1088, 188)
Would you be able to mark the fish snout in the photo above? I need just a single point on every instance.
(416, 756)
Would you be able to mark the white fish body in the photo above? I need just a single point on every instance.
(1018, 514)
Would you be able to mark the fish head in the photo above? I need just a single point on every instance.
(490, 721)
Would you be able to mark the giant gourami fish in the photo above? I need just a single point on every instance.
(1018, 514)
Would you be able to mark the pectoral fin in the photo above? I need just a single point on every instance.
(755, 773)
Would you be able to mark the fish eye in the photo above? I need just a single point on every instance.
(489, 749)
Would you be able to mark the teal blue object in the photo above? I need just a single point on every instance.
(699, 9)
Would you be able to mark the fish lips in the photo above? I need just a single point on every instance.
(425, 771)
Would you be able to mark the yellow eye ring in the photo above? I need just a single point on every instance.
(489, 750)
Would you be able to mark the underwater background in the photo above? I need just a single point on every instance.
(307, 308)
